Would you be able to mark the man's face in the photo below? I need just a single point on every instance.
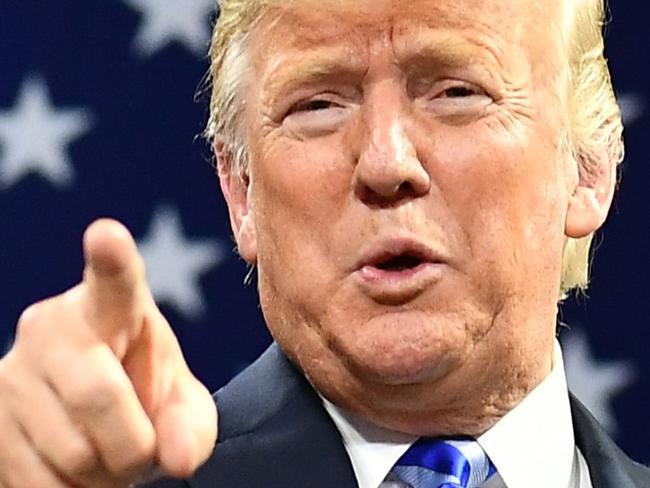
(407, 201)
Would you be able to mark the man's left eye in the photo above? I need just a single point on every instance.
(317, 105)
(460, 91)
(452, 98)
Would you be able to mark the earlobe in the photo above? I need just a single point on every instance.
(247, 240)
(235, 189)
(590, 202)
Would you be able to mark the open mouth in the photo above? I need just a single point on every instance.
(401, 262)
(397, 259)
(395, 271)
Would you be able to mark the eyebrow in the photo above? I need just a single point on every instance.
(424, 49)
(314, 67)
(445, 48)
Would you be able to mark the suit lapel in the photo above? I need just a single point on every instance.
(274, 432)
(609, 467)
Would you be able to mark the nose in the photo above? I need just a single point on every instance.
(388, 170)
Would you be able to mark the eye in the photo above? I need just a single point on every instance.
(316, 105)
(460, 91)
(320, 115)
(313, 105)
(456, 89)
(454, 99)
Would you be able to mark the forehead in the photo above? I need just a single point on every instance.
(305, 24)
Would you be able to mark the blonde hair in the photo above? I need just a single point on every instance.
(594, 134)
(595, 124)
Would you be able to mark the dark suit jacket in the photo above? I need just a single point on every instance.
(275, 433)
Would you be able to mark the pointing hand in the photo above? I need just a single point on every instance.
(95, 390)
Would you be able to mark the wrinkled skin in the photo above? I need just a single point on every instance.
(407, 205)
(378, 125)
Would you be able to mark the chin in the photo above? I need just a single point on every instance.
(405, 356)
(401, 348)
(401, 366)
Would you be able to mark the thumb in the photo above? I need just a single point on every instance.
(186, 427)
(115, 279)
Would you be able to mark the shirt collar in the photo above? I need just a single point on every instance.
(535, 437)
(372, 450)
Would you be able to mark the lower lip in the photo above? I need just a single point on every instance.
(371, 273)
(397, 286)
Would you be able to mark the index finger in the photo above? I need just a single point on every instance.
(114, 276)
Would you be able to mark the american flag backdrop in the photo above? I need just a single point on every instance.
(100, 115)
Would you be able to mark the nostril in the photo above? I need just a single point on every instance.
(384, 196)
(382, 192)
(405, 189)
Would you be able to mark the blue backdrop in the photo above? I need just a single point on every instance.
(98, 117)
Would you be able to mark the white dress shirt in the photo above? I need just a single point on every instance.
(532, 446)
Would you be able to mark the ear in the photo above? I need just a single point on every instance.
(592, 197)
(235, 189)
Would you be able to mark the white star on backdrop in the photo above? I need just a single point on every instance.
(164, 21)
(595, 383)
(174, 262)
(632, 107)
(34, 135)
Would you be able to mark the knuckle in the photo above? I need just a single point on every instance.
(13, 385)
(140, 453)
(77, 460)
(30, 322)
(39, 322)
(143, 449)
(96, 392)
(8, 384)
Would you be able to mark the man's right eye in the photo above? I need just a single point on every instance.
(317, 116)
(313, 105)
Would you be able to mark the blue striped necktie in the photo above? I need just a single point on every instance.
(435, 463)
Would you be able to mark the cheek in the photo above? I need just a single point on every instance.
(506, 194)
(300, 193)
(302, 177)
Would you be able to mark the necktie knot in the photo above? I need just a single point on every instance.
(436, 463)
